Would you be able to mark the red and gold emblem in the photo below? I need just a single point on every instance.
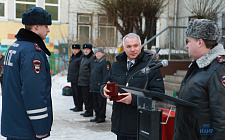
(37, 66)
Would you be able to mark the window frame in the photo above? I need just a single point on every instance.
(58, 5)
(21, 2)
(89, 24)
(5, 17)
(107, 25)
(223, 24)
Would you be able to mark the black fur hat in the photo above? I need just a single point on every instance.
(89, 46)
(75, 46)
(36, 16)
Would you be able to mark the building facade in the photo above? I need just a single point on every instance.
(81, 21)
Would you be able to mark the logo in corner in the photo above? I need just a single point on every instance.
(223, 80)
(206, 130)
(206, 125)
(37, 66)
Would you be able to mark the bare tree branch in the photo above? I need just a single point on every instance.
(128, 15)
(208, 9)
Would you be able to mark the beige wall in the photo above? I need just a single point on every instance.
(57, 31)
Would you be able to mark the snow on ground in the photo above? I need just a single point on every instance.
(68, 125)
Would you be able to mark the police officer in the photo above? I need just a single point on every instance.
(132, 60)
(99, 71)
(84, 79)
(73, 73)
(26, 98)
(204, 85)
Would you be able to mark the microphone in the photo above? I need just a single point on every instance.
(164, 63)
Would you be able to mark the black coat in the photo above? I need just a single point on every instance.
(99, 71)
(74, 66)
(204, 86)
(124, 117)
(85, 69)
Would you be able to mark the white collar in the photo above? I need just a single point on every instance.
(133, 61)
(208, 57)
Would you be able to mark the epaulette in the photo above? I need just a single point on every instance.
(220, 59)
(37, 47)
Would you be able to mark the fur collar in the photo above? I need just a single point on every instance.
(207, 58)
(27, 35)
(79, 54)
(89, 55)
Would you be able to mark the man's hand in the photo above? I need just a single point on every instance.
(127, 99)
(41, 136)
(106, 90)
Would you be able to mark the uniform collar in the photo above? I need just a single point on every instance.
(133, 61)
(79, 54)
(101, 59)
(207, 58)
(27, 35)
(89, 55)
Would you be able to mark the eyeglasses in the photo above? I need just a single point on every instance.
(187, 41)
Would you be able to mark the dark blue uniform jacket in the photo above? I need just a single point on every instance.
(99, 71)
(26, 98)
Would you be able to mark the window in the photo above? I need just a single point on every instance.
(23, 6)
(223, 24)
(3, 10)
(52, 6)
(84, 28)
(107, 32)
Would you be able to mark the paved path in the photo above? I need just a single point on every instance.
(70, 125)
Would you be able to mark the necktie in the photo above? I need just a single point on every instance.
(129, 65)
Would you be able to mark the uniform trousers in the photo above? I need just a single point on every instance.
(87, 98)
(77, 96)
(99, 104)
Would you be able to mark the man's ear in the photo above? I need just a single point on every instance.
(36, 27)
(201, 42)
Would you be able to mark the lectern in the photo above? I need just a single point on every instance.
(151, 106)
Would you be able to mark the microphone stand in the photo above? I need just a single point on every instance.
(147, 81)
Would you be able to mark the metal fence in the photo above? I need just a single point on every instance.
(172, 41)
(58, 65)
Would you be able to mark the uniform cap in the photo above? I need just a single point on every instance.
(89, 46)
(99, 49)
(36, 16)
(204, 29)
(75, 46)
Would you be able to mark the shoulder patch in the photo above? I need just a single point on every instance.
(223, 80)
(37, 66)
(107, 67)
(37, 47)
(220, 59)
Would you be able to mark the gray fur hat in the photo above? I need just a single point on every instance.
(204, 29)
(99, 49)
(36, 16)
